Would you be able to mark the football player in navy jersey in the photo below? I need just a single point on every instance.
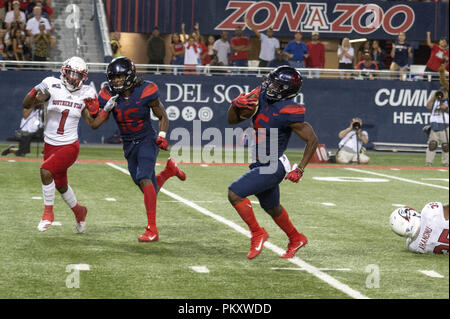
(277, 113)
(130, 99)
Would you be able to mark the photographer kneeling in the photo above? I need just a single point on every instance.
(438, 105)
(30, 126)
(352, 139)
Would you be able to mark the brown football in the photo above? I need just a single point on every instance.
(245, 113)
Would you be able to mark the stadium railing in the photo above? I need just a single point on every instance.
(232, 71)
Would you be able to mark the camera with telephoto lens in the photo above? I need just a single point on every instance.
(356, 125)
(439, 95)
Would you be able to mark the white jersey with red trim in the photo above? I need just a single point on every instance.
(63, 111)
(433, 235)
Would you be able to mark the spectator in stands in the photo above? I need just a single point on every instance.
(438, 55)
(41, 44)
(15, 14)
(30, 126)
(222, 49)
(367, 64)
(378, 54)
(296, 51)
(346, 56)
(3, 7)
(269, 45)
(316, 59)
(204, 57)
(2, 44)
(240, 45)
(191, 56)
(350, 146)
(280, 59)
(401, 53)
(156, 48)
(115, 44)
(177, 50)
(32, 26)
(211, 54)
(20, 49)
(47, 11)
(24, 4)
(365, 46)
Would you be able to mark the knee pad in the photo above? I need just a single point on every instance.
(432, 145)
(445, 147)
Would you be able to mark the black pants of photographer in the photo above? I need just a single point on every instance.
(24, 146)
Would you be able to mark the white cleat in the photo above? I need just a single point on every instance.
(81, 227)
(44, 225)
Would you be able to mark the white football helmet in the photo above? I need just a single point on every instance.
(74, 72)
(405, 222)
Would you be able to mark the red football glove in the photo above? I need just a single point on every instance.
(92, 105)
(162, 143)
(248, 101)
(295, 175)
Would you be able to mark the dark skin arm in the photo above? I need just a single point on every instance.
(305, 131)
(233, 117)
(93, 123)
(160, 112)
(30, 102)
(446, 211)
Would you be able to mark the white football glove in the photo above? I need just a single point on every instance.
(43, 87)
(111, 103)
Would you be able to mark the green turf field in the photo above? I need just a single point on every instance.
(351, 253)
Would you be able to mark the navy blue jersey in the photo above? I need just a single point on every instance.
(401, 54)
(279, 116)
(132, 114)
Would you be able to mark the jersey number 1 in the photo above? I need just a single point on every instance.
(62, 122)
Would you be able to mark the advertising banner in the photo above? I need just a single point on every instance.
(391, 111)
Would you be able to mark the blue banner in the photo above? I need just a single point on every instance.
(381, 20)
(392, 111)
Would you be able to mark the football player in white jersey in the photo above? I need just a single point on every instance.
(425, 231)
(65, 100)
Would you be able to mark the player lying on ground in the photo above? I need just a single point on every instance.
(65, 100)
(272, 110)
(130, 99)
(425, 231)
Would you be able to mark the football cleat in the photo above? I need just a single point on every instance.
(149, 235)
(173, 167)
(81, 227)
(80, 217)
(294, 245)
(44, 225)
(257, 242)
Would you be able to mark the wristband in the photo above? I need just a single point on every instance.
(162, 134)
(32, 93)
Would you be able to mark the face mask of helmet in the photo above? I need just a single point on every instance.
(73, 79)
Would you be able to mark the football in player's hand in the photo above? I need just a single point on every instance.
(247, 104)
(246, 113)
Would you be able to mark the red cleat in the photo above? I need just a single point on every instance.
(257, 242)
(173, 167)
(149, 235)
(294, 245)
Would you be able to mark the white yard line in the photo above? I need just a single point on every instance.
(321, 269)
(279, 251)
(200, 269)
(395, 177)
(431, 273)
